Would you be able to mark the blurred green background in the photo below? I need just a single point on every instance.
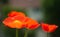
(47, 11)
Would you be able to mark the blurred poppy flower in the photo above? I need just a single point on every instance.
(49, 28)
(19, 20)
(31, 24)
(15, 20)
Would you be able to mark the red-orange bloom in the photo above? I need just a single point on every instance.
(31, 24)
(49, 28)
(17, 21)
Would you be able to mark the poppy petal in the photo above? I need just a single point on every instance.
(14, 13)
(45, 27)
(31, 24)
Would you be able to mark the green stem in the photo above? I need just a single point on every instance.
(26, 32)
(16, 32)
(47, 34)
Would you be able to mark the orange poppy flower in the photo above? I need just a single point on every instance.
(14, 22)
(49, 28)
(17, 21)
(31, 24)
(14, 13)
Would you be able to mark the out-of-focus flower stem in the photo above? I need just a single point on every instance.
(16, 32)
(47, 34)
(26, 33)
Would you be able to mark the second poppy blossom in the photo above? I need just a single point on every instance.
(49, 28)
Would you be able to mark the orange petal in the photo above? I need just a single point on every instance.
(17, 24)
(11, 22)
(45, 27)
(31, 24)
(8, 21)
(20, 18)
(52, 28)
(14, 13)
